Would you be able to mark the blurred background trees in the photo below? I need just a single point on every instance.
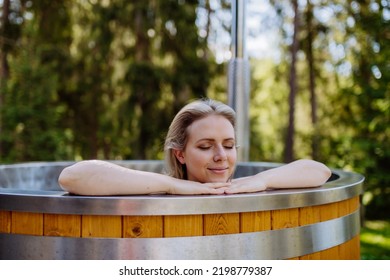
(104, 78)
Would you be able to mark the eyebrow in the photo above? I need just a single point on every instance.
(213, 140)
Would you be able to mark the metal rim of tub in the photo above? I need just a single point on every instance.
(345, 186)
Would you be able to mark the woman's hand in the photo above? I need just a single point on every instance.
(185, 187)
(246, 185)
(297, 174)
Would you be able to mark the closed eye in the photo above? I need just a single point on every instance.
(204, 147)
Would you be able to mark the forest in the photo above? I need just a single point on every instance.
(102, 79)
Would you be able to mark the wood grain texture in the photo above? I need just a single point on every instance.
(285, 218)
(142, 226)
(5, 221)
(310, 215)
(188, 225)
(101, 226)
(27, 223)
(62, 225)
(217, 224)
(255, 221)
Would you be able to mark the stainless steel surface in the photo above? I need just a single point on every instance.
(275, 244)
(239, 100)
(43, 194)
(238, 29)
(239, 78)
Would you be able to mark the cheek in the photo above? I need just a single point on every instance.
(233, 156)
(199, 158)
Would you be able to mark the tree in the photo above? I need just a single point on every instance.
(31, 113)
(4, 67)
(312, 76)
(289, 153)
(368, 100)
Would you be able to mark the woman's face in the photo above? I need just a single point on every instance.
(210, 153)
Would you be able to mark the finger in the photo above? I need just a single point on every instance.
(238, 189)
(212, 189)
(218, 185)
(234, 190)
(217, 191)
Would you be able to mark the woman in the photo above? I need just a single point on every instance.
(200, 154)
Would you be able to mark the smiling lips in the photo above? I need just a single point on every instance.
(218, 170)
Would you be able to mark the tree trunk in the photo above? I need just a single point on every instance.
(4, 71)
(208, 27)
(142, 46)
(4, 68)
(312, 82)
(289, 153)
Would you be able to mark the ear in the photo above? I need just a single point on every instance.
(179, 154)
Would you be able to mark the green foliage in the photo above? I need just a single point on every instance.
(103, 79)
(31, 113)
(352, 87)
(268, 112)
(375, 240)
(365, 102)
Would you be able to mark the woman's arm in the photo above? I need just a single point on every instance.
(95, 177)
(298, 174)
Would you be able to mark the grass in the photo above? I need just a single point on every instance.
(375, 240)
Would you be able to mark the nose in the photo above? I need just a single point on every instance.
(220, 153)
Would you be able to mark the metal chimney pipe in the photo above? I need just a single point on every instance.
(239, 78)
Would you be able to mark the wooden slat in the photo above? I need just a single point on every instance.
(142, 226)
(354, 204)
(354, 243)
(310, 215)
(344, 248)
(62, 225)
(344, 207)
(329, 212)
(350, 249)
(5, 221)
(183, 225)
(285, 218)
(27, 223)
(217, 224)
(101, 226)
(255, 221)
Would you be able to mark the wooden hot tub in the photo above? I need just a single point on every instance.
(40, 221)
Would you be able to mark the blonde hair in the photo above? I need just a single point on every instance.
(177, 135)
